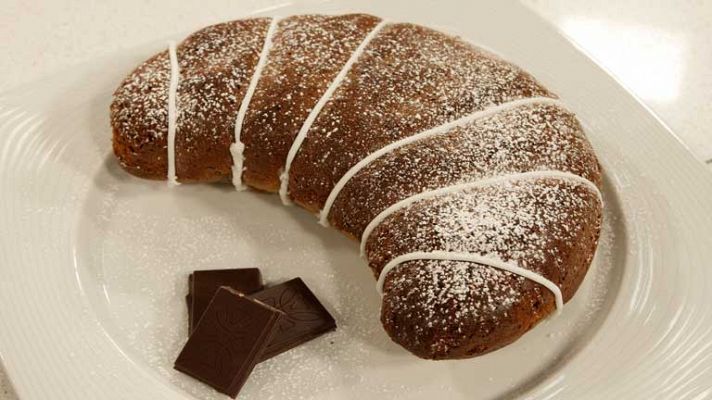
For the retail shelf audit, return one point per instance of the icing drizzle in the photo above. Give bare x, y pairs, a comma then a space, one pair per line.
469, 257
471, 185
237, 148
440, 129
284, 177
172, 114
483, 260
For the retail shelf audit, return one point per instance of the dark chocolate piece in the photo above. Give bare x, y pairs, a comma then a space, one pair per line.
305, 317
203, 284
189, 304
228, 341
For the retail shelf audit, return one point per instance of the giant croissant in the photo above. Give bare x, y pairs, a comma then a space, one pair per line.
473, 191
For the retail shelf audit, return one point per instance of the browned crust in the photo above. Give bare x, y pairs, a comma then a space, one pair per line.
216, 64
139, 142
469, 153
411, 79
497, 330
210, 94
287, 91
407, 314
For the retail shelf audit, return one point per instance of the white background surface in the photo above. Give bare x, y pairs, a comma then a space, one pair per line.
660, 50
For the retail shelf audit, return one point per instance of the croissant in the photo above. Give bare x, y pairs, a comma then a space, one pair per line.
473, 191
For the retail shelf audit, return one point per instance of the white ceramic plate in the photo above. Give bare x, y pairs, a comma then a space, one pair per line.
93, 262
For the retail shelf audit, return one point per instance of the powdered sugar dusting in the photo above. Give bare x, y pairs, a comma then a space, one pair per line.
528, 138
542, 225
532, 222
448, 281
140, 106
308, 51
448, 301
472, 258
216, 66
409, 79
325, 97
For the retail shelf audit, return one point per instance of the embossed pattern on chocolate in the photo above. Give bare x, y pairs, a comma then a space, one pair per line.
202, 286
305, 317
228, 341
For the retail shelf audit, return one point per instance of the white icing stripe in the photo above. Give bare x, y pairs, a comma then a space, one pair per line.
441, 129
237, 148
471, 185
284, 177
491, 262
172, 114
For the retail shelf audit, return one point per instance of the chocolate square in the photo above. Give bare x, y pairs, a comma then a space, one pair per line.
305, 317
202, 286
228, 341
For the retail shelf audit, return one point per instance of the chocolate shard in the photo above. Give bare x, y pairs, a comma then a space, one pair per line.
202, 286
189, 303
228, 341
305, 317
